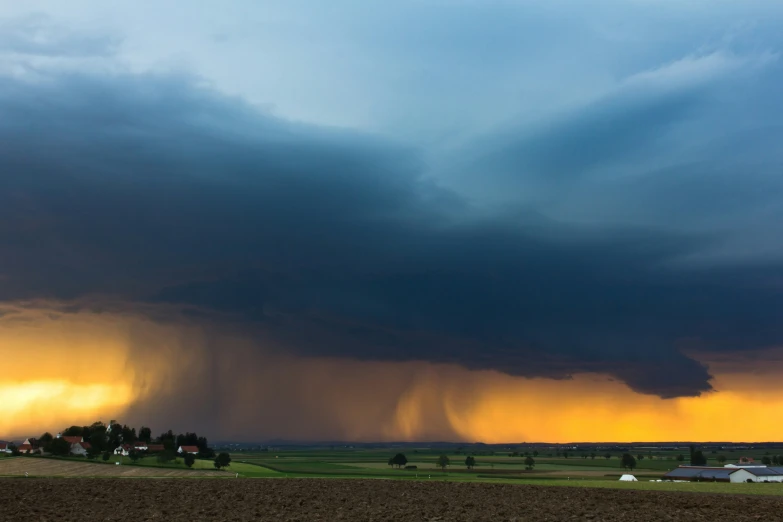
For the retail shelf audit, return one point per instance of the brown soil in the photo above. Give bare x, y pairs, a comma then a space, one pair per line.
304, 500
38, 467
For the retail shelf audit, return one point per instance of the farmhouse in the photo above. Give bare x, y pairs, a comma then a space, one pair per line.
5, 447
123, 450
726, 474
188, 449
80, 448
155, 448
30, 445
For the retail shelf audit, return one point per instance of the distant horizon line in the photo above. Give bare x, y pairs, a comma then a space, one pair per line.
497, 444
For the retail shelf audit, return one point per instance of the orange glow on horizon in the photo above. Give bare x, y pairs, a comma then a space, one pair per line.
74, 368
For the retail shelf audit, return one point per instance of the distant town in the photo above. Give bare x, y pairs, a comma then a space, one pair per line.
101, 441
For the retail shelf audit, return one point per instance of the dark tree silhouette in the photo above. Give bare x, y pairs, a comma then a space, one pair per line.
628, 461
470, 461
190, 459
59, 447
530, 463
223, 460
400, 460
442, 462
698, 458
145, 434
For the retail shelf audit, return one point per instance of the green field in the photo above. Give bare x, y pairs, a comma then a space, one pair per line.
497, 467
492, 467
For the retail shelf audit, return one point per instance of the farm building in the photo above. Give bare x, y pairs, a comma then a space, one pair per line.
80, 448
188, 449
5, 447
30, 445
123, 450
155, 448
726, 474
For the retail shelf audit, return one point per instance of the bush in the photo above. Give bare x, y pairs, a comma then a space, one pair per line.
223, 460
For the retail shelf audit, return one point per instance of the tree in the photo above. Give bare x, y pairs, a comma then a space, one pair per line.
766, 461
14, 450
128, 434
60, 447
698, 458
530, 463
391, 462
680, 458
98, 440
106, 456
92, 452
470, 461
592, 455
721, 459
442, 462
608, 456
166, 456
400, 460
134, 456
145, 434
190, 459
535, 453
223, 460
628, 461
565, 454
640, 457
74, 431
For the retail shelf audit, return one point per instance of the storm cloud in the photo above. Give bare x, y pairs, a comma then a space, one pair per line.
610, 237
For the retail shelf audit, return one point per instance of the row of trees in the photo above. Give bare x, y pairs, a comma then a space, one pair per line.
443, 461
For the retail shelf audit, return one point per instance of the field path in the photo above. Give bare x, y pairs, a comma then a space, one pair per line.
38, 467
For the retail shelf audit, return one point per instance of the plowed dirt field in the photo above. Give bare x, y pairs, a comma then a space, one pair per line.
82, 500
67, 468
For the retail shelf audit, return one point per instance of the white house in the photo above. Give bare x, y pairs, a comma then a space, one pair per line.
193, 450
80, 448
123, 450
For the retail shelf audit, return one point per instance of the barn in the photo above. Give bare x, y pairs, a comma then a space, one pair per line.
727, 474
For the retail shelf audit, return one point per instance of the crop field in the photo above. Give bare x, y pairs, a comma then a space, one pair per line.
378, 500
492, 468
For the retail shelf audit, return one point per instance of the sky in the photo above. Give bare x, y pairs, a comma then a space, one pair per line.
496, 221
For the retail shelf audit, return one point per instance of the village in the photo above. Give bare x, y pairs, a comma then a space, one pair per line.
103, 440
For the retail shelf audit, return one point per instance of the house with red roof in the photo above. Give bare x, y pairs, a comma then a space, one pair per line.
5, 447
80, 448
123, 450
193, 450
31, 445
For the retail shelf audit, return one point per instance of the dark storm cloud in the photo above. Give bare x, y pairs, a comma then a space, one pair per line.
152, 189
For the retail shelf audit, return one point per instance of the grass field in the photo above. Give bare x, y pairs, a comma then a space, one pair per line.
363, 463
